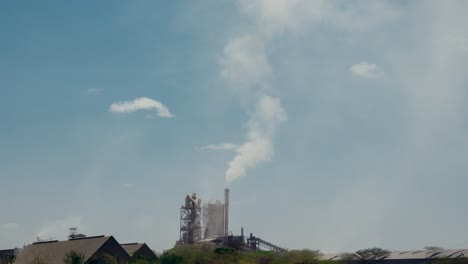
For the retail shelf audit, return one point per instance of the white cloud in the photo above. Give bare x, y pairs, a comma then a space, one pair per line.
10, 226
142, 103
94, 91
458, 42
276, 16
59, 228
273, 17
222, 146
366, 70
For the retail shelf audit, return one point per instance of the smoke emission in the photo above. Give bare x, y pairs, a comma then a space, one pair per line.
245, 67
259, 145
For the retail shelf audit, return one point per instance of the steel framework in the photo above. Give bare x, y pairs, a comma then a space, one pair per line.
190, 225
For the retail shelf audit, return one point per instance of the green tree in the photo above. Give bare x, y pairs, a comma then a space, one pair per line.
109, 259
304, 256
433, 248
10, 259
347, 258
371, 255
138, 258
169, 258
73, 257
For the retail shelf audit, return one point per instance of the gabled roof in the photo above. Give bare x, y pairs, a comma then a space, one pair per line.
53, 252
141, 248
414, 254
131, 248
8, 251
428, 254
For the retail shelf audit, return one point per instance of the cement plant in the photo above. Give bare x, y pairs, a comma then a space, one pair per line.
205, 237
209, 223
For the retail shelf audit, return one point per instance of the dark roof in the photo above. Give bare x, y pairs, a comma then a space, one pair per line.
140, 249
7, 251
53, 252
131, 248
414, 254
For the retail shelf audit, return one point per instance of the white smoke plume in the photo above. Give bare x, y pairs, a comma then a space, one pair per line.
59, 228
245, 65
259, 145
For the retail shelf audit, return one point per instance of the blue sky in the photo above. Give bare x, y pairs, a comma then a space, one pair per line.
337, 125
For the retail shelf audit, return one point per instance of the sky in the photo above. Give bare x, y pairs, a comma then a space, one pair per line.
337, 125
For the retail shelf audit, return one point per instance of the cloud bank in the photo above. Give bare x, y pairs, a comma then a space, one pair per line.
142, 103
366, 70
10, 226
94, 91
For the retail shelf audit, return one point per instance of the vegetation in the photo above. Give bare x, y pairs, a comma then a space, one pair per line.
371, 255
207, 254
169, 258
138, 258
212, 254
73, 257
109, 259
38, 260
433, 248
10, 259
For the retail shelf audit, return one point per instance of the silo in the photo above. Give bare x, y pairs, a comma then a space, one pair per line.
226, 212
214, 219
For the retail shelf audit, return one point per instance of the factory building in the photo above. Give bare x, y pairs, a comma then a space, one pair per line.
209, 223
216, 218
139, 251
199, 222
92, 248
415, 256
8, 255
213, 219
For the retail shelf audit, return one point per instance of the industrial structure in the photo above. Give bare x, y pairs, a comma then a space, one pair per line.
216, 218
7, 256
190, 220
209, 223
199, 222
413, 256
94, 249
139, 250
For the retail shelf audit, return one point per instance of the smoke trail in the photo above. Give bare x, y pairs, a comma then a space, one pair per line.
259, 145
59, 228
246, 68
245, 65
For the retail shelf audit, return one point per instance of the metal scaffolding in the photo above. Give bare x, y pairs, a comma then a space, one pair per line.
190, 220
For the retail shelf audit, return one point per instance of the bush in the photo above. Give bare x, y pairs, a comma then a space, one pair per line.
168, 258
210, 254
73, 257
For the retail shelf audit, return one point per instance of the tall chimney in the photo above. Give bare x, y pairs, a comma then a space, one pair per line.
226, 211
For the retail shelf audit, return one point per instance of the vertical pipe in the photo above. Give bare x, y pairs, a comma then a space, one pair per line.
226, 211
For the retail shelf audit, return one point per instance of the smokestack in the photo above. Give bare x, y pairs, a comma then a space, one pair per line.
226, 211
